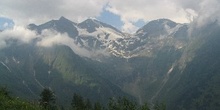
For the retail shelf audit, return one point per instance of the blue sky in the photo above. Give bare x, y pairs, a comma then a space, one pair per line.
110, 18
115, 20
5, 23
105, 16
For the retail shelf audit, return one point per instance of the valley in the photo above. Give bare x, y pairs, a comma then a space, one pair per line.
162, 62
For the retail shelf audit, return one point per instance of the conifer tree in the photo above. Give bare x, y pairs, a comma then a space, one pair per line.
78, 102
48, 99
144, 107
98, 106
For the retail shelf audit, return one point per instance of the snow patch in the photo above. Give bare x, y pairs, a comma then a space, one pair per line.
6, 66
170, 70
37, 80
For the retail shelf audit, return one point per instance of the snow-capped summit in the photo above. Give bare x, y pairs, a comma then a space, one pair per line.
90, 25
97, 37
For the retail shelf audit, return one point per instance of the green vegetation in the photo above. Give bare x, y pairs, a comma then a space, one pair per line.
48, 102
11, 103
121, 103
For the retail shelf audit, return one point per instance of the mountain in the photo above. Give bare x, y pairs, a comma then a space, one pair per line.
162, 61
194, 83
62, 25
103, 39
97, 36
26, 70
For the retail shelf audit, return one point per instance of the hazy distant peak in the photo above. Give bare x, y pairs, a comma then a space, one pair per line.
157, 25
63, 18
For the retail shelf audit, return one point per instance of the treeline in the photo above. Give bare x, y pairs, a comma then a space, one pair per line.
8, 102
47, 101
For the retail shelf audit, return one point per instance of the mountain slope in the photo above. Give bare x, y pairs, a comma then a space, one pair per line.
62, 25
162, 61
196, 86
34, 68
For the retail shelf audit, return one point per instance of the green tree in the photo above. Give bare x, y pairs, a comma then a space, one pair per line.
4, 92
98, 106
144, 107
112, 104
159, 106
47, 99
121, 104
78, 102
88, 105
8, 102
126, 104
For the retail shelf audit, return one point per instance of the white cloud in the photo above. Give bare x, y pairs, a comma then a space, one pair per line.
2, 44
24, 12
47, 38
181, 11
50, 38
131, 11
38, 11
19, 33
208, 12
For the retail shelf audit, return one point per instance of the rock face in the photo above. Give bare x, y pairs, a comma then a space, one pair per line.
96, 36
160, 62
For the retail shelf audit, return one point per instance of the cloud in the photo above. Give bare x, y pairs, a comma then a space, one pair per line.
2, 44
47, 38
181, 11
5, 25
24, 12
39, 11
208, 12
50, 38
131, 11
18, 33
198, 12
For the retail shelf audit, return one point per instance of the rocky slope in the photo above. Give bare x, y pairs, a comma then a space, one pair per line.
161, 61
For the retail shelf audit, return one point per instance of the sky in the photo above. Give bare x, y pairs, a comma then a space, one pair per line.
126, 15
6, 23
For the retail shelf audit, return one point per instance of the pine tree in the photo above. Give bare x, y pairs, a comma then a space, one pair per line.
4, 92
88, 105
161, 106
78, 103
145, 107
98, 106
47, 99
121, 104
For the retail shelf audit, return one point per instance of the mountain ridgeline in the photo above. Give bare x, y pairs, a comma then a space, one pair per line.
163, 61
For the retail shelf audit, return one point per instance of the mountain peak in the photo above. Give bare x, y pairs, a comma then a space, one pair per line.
90, 25
162, 22
32, 26
157, 25
93, 21
63, 18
